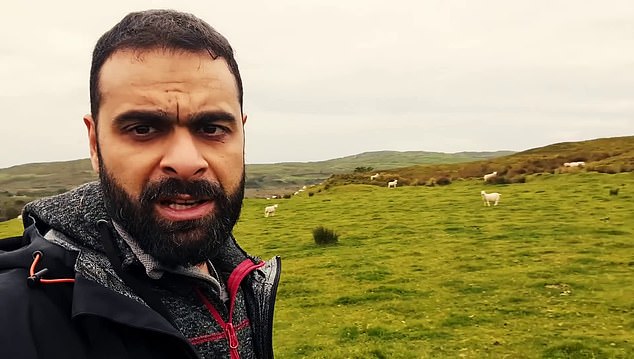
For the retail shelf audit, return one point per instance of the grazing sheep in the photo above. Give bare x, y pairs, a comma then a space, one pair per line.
574, 164
373, 177
614, 191
392, 184
490, 197
490, 176
270, 210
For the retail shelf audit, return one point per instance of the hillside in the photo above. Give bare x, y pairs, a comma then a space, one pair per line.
604, 155
23, 183
288, 176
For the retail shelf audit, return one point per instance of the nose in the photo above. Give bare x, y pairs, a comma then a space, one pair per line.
182, 157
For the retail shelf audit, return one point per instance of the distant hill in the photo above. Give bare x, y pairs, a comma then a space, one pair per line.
606, 155
41, 179
22, 183
288, 176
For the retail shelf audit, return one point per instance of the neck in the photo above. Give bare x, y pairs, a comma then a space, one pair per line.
202, 267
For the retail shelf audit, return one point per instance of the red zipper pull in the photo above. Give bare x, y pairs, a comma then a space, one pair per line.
232, 338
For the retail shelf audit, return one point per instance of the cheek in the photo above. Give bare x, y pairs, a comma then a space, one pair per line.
130, 171
229, 169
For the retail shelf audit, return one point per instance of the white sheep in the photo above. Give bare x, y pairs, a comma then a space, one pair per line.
392, 184
575, 164
490, 176
490, 197
373, 177
270, 210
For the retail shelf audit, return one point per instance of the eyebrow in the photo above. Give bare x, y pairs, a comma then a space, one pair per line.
158, 116
211, 117
142, 115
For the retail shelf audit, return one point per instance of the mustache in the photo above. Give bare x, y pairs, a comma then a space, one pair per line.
172, 187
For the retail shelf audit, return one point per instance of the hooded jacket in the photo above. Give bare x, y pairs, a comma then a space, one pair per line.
84, 294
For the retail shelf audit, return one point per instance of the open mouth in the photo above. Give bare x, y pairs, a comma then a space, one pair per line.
184, 207
182, 204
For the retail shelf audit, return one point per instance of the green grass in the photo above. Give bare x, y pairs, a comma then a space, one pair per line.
10, 228
429, 272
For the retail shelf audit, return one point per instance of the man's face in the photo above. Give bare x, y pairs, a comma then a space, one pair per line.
169, 148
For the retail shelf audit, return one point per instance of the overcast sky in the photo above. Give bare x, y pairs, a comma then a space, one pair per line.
330, 78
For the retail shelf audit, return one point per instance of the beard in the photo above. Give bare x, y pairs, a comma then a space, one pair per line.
173, 243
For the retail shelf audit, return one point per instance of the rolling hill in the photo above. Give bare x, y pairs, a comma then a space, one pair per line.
24, 182
604, 155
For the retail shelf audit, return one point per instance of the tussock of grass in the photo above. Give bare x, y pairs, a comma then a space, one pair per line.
324, 236
574, 350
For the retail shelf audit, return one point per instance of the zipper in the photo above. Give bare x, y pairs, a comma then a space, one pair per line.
276, 282
233, 284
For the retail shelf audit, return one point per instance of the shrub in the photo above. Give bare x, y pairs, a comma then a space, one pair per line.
362, 169
443, 181
500, 180
324, 236
310, 194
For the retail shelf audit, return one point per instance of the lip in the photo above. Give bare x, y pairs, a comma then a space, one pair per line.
179, 212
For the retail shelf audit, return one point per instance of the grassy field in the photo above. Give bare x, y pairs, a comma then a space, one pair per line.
429, 272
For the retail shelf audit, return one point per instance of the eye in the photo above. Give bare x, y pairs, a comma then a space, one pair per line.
210, 130
142, 131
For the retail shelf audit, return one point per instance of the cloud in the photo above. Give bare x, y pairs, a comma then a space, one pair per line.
330, 78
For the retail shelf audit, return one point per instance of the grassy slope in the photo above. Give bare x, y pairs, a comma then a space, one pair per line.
429, 272
610, 155
10, 228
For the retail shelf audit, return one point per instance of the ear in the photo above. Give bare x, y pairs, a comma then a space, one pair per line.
244, 119
91, 126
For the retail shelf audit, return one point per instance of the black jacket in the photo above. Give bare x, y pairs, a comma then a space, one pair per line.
87, 320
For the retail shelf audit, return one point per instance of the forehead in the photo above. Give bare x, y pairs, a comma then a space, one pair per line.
165, 70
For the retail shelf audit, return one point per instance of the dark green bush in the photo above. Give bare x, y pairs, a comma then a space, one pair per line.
362, 169
324, 236
443, 181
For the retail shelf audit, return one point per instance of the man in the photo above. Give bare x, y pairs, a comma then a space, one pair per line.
142, 263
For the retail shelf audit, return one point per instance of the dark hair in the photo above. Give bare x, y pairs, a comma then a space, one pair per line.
167, 29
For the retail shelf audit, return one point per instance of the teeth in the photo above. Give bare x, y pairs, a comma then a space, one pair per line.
178, 206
